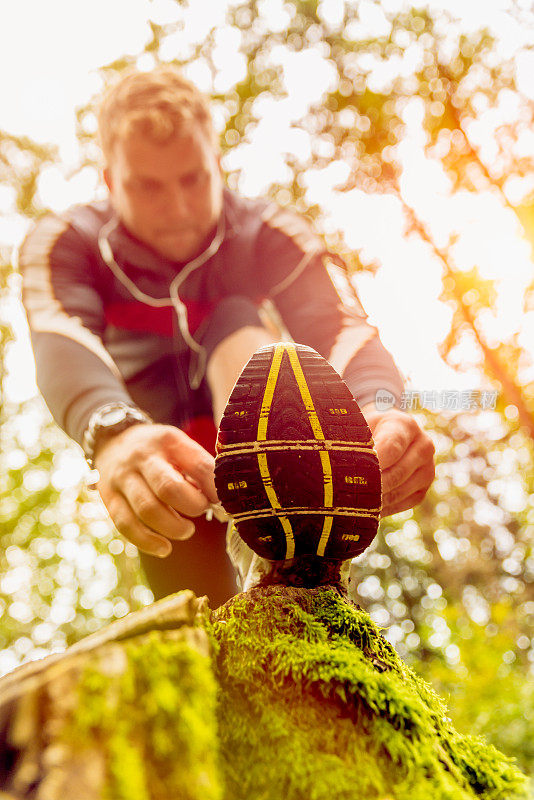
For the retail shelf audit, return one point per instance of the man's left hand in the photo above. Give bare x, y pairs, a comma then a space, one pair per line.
406, 457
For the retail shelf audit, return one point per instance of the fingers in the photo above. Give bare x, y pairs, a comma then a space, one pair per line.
418, 454
142, 518
191, 459
409, 493
156, 515
170, 486
406, 457
392, 436
404, 505
135, 531
145, 489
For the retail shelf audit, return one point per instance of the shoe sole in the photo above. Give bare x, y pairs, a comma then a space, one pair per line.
295, 465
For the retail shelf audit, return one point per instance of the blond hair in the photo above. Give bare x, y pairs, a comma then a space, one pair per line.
158, 104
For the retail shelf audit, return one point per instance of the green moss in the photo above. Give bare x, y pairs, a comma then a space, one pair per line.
314, 703
302, 698
149, 704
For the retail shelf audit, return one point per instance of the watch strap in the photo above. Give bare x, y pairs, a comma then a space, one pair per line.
107, 421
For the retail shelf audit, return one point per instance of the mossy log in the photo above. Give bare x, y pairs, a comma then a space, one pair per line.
282, 692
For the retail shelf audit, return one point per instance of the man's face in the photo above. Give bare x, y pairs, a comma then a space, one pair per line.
168, 195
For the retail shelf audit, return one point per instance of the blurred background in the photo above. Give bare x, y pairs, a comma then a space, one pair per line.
407, 134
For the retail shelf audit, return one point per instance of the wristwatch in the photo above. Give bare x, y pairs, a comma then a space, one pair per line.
107, 421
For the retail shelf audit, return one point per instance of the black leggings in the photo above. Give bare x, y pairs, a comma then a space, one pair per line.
199, 563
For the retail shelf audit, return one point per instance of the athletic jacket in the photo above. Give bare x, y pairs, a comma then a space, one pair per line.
112, 320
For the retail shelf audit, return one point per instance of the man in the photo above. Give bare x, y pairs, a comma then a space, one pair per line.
143, 310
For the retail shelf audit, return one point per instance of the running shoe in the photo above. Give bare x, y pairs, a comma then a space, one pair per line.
295, 466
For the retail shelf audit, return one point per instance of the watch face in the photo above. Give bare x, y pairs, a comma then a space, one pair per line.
112, 416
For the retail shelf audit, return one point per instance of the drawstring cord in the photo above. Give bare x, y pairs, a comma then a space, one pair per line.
174, 300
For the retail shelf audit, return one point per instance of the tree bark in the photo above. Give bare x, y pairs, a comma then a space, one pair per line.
282, 692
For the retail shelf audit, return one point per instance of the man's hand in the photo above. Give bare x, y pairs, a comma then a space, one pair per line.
406, 457
152, 478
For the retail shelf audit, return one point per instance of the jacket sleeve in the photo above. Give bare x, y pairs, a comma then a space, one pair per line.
312, 293
75, 373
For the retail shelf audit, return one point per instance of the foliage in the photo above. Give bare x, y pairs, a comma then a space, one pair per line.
60, 558
21, 162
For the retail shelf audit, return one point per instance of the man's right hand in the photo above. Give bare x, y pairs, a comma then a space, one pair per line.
152, 478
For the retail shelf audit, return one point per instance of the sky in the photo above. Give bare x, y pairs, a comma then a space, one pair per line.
49, 54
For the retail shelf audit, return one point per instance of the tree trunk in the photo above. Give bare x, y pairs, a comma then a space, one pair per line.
282, 692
